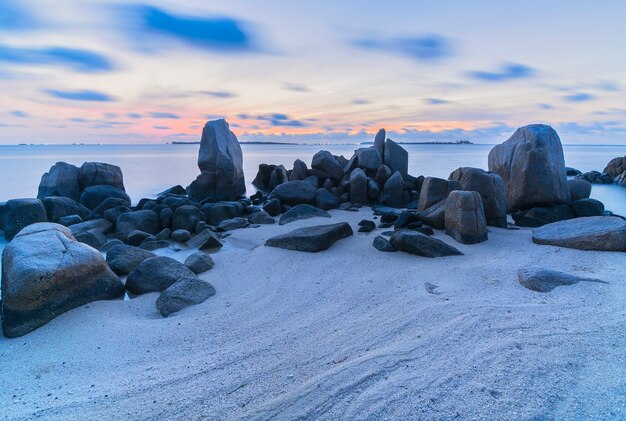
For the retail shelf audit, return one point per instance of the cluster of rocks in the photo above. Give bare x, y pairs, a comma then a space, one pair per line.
614, 173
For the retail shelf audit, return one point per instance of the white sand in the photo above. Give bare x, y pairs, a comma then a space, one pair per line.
348, 333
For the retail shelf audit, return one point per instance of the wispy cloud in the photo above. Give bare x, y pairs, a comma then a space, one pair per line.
14, 17
220, 94
421, 48
134, 115
578, 97
72, 58
435, 101
544, 106
505, 72
19, 113
274, 119
360, 101
164, 115
162, 127
80, 95
296, 87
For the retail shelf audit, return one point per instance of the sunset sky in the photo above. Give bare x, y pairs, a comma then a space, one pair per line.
310, 71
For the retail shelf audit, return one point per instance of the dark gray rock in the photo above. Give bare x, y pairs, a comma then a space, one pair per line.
113, 214
67, 274
434, 190
92, 238
199, 262
393, 190
465, 217
579, 189
368, 158
615, 167
111, 203
325, 200
302, 212
261, 217
324, 161
294, 193
379, 143
165, 217
594, 177
396, 158
278, 176
603, 233
122, 258
2, 207
181, 236
300, 171
491, 189
205, 240
182, 294
19, 213
313, 180
311, 239
60, 180
186, 217
272, 207
220, 211
546, 214
70, 220
358, 186
545, 280
532, 167
177, 190
263, 175
422, 245
156, 274
58, 207
93, 196
136, 237
221, 164
165, 234
101, 174
434, 215
110, 244
155, 244
587, 207
373, 190
382, 244
101, 225
143, 220
382, 175
569, 171
233, 224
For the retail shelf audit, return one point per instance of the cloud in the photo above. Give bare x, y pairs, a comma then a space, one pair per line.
422, 48
80, 95
19, 113
162, 127
360, 101
220, 94
75, 59
274, 119
211, 33
163, 115
435, 101
544, 106
14, 17
296, 87
506, 72
134, 115
578, 97
608, 86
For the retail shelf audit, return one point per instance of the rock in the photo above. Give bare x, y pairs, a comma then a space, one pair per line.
272, 207
313, 180
587, 207
2, 207
311, 239
182, 294
221, 164
325, 200
122, 258
569, 171
594, 177
136, 237
620, 180
434, 190
324, 161
382, 175
110, 203
143, 220
434, 215
19, 213
220, 211
367, 223
368, 158
491, 189
358, 186
278, 176
382, 244
199, 262
60, 180
302, 212
263, 175
233, 224
603, 233
261, 217
300, 170
101, 174
181, 236
109, 245
405, 218
522, 220
579, 189
186, 217
422, 245
465, 217
66, 275
93, 196
205, 240
70, 220
379, 143
545, 280
164, 234
151, 245
165, 217
156, 274
532, 167
538, 216
101, 225
177, 190
92, 238
113, 214
615, 167
396, 158
294, 193
175, 202
58, 207
373, 190
393, 190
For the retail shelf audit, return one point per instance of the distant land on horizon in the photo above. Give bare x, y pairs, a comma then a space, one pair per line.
458, 142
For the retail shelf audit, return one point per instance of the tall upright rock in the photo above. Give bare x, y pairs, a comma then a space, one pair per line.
532, 166
221, 164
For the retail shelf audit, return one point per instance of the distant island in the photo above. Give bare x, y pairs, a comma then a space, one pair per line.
458, 142
243, 143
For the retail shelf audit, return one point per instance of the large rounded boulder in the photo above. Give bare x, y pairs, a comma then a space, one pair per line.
60, 180
491, 189
19, 213
532, 166
101, 174
156, 274
46, 272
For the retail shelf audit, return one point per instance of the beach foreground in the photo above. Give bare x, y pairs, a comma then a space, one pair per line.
348, 333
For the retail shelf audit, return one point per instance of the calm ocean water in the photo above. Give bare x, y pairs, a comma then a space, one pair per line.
149, 169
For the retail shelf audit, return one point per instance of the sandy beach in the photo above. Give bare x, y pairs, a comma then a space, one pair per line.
346, 333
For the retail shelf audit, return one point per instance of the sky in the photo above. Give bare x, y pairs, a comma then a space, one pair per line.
107, 71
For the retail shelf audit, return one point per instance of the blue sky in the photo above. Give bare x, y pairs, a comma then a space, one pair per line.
310, 71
